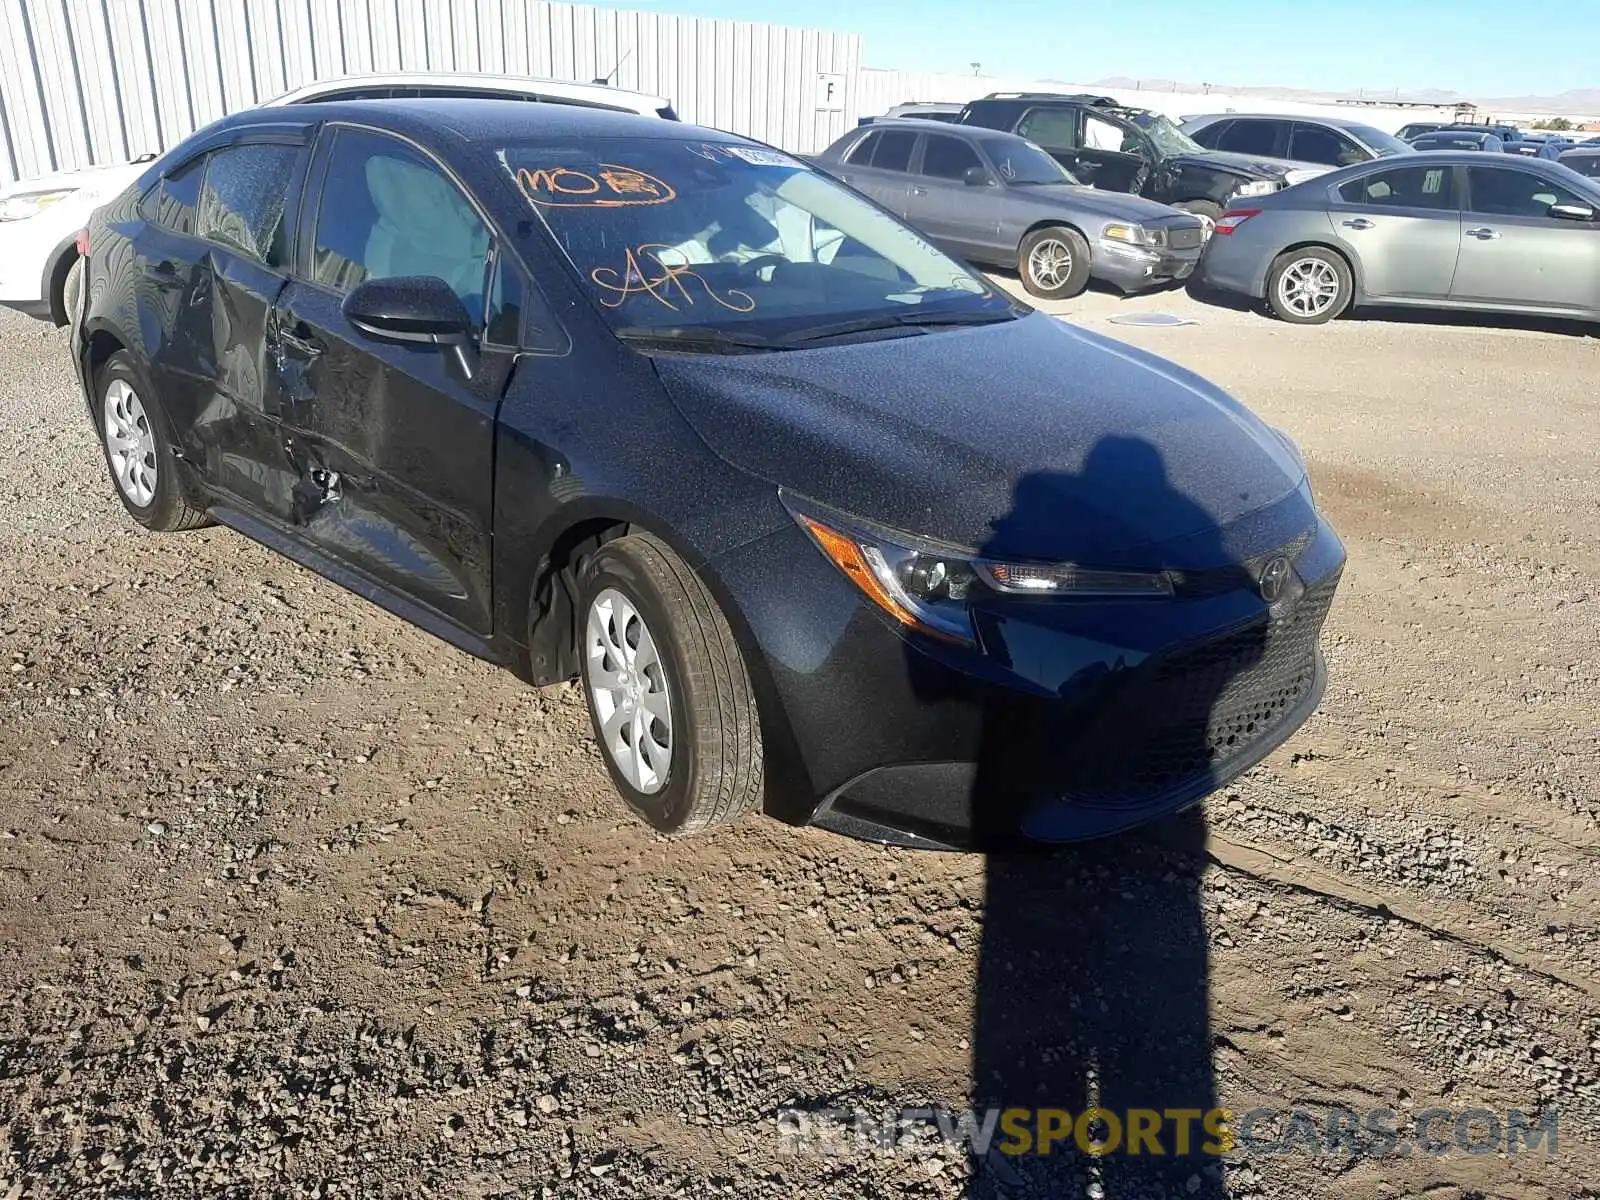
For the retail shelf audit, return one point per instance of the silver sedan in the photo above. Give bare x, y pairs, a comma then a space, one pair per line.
999, 200
1445, 230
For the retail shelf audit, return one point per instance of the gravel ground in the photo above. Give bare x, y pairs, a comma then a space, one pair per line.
300, 901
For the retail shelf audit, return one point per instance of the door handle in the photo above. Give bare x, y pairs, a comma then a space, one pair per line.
1358, 223
919, 191
307, 346
1483, 233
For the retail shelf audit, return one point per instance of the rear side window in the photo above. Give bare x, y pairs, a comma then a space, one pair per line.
893, 151
1210, 135
1250, 137
948, 157
1052, 128
1404, 187
1584, 164
172, 202
387, 211
1314, 143
861, 153
242, 202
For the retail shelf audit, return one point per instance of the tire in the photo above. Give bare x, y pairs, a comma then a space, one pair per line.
144, 471
1309, 286
1209, 209
634, 593
72, 293
1067, 255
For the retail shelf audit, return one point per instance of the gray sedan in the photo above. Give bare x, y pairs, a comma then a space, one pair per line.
997, 199
1442, 230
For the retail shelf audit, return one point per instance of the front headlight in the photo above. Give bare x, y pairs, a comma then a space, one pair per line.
1135, 235
1258, 187
23, 205
930, 586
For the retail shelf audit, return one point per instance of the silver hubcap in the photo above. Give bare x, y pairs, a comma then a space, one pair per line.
1309, 287
1050, 262
628, 687
130, 445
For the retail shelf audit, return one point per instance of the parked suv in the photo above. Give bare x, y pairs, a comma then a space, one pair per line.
1332, 141
1106, 145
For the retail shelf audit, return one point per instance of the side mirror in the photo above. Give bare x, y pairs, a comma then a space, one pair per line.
418, 310
1572, 212
976, 177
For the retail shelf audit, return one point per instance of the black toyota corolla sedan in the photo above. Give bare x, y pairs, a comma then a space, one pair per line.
824, 523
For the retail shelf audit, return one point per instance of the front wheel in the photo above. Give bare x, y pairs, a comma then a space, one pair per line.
1208, 211
1310, 286
1054, 263
667, 688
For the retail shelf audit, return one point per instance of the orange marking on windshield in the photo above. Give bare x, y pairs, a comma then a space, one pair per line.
614, 186
645, 272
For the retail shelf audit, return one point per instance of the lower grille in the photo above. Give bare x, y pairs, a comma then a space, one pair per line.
1184, 238
1189, 714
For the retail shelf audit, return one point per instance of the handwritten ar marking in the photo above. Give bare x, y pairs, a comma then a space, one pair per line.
614, 186
645, 272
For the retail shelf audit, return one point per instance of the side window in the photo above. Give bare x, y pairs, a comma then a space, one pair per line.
1511, 193
861, 153
1314, 143
893, 152
172, 202
1052, 128
1250, 137
503, 312
1101, 134
242, 202
948, 157
1404, 187
1211, 136
386, 211
1584, 164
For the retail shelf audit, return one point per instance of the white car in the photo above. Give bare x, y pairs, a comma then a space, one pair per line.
40, 217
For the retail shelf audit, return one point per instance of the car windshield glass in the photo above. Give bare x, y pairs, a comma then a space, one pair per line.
732, 237
1021, 162
1168, 138
1380, 143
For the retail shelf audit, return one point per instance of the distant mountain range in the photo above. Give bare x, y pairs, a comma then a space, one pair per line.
1579, 102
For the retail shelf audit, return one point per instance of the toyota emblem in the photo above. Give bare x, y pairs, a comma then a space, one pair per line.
1274, 578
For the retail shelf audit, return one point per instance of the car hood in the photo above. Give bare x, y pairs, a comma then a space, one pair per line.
1115, 206
103, 181
1033, 439
1256, 166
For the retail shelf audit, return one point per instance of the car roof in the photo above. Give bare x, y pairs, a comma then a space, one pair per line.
468, 120
512, 85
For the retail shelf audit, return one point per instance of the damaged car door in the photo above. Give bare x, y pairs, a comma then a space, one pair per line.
392, 443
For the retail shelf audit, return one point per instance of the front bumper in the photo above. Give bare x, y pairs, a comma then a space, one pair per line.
1078, 719
1133, 268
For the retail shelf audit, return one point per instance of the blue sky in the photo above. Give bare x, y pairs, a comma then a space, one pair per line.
1477, 47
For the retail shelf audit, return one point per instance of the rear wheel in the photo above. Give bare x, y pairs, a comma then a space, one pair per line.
666, 688
1054, 263
134, 438
1309, 286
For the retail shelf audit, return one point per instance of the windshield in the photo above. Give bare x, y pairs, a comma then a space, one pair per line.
1021, 163
1168, 138
1380, 143
732, 237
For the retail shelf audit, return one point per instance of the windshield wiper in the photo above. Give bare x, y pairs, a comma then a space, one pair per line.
697, 338
908, 321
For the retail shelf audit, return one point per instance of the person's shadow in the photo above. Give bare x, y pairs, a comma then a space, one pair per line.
1092, 977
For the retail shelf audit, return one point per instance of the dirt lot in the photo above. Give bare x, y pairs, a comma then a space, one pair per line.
299, 901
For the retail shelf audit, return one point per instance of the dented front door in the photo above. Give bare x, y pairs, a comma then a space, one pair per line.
393, 451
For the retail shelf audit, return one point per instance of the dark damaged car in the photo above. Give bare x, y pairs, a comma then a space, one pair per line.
824, 524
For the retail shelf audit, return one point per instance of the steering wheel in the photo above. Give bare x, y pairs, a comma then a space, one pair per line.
761, 261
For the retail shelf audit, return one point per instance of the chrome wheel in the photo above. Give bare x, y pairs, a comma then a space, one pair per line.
130, 444
628, 686
1050, 263
1308, 287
